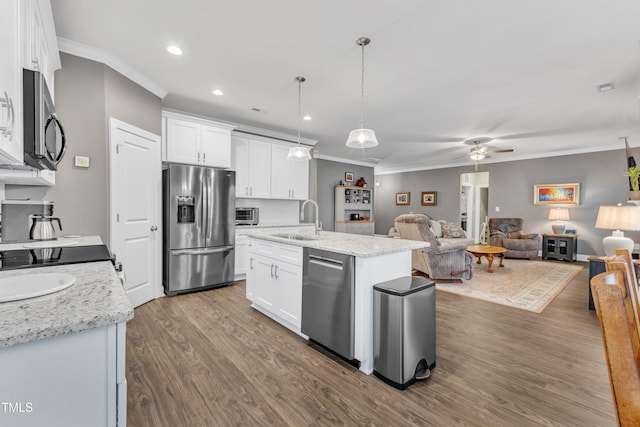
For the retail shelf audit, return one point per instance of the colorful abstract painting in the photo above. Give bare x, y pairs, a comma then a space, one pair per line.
556, 194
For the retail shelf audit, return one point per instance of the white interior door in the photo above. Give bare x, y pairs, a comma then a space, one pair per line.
135, 191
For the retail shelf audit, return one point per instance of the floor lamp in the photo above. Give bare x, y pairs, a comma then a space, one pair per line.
618, 218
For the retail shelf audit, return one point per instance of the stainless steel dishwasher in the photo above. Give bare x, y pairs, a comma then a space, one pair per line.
328, 289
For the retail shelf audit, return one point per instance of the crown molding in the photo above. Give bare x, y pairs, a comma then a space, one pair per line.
393, 170
107, 58
256, 131
341, 160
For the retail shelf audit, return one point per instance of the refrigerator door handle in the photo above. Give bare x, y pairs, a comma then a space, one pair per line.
206, 190
202, 251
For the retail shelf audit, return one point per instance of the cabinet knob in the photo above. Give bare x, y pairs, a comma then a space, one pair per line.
154, 228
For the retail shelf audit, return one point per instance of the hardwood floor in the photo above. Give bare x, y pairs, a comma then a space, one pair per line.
209, 359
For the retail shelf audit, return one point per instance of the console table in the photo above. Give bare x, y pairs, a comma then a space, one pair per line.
560, 246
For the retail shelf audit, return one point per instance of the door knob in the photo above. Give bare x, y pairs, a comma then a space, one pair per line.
154, 228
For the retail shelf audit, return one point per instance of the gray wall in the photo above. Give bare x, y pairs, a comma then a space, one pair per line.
601, 177
87, 94
328, 175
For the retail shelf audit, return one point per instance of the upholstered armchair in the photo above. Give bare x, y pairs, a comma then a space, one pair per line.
507, 233
437, 261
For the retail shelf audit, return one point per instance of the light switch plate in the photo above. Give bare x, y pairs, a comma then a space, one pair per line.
81, 161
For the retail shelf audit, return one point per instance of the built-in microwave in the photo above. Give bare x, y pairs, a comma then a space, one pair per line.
247, 216
41, 150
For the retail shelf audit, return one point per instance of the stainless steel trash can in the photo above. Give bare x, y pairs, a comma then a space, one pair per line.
404, 330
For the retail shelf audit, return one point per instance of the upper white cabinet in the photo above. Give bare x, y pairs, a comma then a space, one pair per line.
289, 179
27, 40
263, 171
11, 145
196, 141
39, 43
252, 162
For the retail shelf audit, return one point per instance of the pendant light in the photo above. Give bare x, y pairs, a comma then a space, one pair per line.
299, 153
362, 138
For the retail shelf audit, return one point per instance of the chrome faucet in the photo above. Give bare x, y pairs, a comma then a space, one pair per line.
317, 214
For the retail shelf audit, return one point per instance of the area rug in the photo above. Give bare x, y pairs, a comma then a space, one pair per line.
524, 284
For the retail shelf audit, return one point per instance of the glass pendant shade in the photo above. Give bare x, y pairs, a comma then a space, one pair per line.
299, 153
362, 138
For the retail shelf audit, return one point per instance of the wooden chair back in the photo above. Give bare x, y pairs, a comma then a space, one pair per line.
622, 261
621, 343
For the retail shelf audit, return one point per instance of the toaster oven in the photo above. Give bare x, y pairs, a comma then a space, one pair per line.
247, 216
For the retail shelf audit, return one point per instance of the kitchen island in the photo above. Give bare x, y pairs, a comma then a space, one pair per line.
62, 355
274, 279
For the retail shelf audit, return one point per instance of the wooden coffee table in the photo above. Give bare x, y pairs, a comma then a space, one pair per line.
487, 251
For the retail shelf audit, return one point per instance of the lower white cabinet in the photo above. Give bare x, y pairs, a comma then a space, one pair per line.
274, 282
243, 244
76, 379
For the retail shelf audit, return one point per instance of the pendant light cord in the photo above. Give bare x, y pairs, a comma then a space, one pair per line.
362, 90
299, 107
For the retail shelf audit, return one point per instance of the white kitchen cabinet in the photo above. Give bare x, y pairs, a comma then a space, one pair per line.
274, 283
11, 144
195, 141
289, 179
39, 43
252, 162
244, 244
76, 379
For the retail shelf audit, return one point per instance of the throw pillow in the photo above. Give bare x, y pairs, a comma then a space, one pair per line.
436, 228
452, 231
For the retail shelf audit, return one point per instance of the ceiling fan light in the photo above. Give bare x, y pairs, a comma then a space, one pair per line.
362, 138
477, 156
299, 153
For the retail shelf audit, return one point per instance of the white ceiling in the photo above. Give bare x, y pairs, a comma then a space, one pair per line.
437, 72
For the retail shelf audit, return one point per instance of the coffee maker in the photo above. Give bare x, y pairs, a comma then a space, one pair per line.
16, 218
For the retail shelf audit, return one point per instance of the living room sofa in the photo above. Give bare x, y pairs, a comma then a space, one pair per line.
438, 261
445, 232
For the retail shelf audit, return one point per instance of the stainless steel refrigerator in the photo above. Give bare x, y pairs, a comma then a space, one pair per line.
199, 228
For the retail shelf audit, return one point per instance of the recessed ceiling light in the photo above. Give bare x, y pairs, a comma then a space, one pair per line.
605, 87
306, 118
217, 92
174, 50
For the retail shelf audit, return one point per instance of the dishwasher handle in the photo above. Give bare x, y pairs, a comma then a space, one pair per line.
326, 262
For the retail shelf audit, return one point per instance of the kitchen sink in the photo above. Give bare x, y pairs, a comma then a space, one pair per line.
295, 236
14, 288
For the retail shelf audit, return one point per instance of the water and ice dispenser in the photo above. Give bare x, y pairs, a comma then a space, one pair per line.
186, 209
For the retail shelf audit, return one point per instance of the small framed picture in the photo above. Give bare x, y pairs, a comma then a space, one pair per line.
570, 231
429, 198
348, 176
403, 198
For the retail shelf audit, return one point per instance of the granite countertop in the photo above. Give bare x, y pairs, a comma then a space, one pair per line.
349, 244
96, 299
259, 226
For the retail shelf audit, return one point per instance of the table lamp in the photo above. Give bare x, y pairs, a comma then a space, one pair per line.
559, 214
618, 218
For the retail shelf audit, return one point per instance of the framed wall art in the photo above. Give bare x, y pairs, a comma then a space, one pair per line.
402, 198
556, 194
429, 198
348, 177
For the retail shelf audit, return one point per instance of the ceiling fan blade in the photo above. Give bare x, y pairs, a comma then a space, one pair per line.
502, 150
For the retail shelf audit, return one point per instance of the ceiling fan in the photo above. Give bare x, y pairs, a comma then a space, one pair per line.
480, 152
